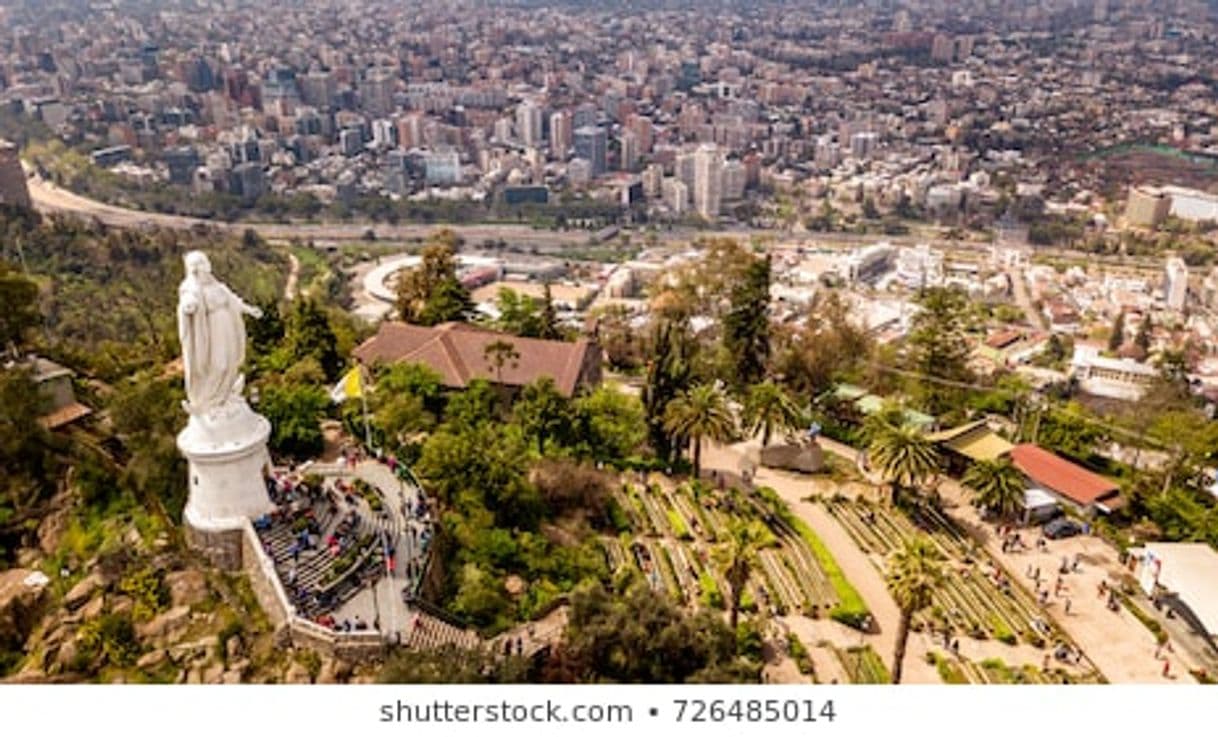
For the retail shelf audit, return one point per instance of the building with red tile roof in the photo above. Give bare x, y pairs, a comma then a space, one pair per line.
458, 353
1068, 481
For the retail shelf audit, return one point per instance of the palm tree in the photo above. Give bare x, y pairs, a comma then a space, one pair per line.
914, 572
904, 455
498, 354
997, 484
737, 557
698, 413
768, 408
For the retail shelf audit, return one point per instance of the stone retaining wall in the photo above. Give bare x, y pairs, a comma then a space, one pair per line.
258, 566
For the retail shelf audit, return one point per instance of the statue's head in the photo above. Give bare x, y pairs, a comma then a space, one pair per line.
197, 264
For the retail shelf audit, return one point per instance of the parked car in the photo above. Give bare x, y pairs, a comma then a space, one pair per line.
1061, 527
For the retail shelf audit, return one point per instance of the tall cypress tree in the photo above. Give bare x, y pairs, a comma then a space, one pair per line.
746, 327
668, 374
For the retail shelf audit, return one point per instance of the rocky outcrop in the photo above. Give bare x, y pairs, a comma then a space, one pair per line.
22, 595
802, 458
83, 591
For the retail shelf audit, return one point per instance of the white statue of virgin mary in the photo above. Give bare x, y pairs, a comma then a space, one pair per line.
212, 330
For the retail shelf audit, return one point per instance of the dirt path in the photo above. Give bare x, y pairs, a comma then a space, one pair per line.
289, 289
860, 571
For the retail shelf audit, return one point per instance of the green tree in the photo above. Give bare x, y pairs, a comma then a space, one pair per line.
827, 347
998, 485
746, 326
549, 316
939, 347
405, 400
701, 413
612, 425
500, 353
519, 314
768, 408
484, 465
544, 414
455, 665
266, 332
308, 334
295, 412
668, 374
1143, 337
431, 293
20, 313
28, 463
1117, 338
904, 456
737, 558
914, 573
638, 637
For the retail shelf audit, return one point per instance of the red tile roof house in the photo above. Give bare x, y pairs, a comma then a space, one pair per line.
1074, 485
457, 352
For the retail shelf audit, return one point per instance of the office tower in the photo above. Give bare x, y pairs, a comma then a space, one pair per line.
708, 180
592, 144
561, 136
376, 91
653, 180
585, 115
1175, 287
351, 141
528, 124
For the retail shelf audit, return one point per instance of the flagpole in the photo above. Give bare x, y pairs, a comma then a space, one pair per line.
363, 398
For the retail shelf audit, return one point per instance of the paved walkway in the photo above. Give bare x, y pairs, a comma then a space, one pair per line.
1118, 645
793, 489
1116, 642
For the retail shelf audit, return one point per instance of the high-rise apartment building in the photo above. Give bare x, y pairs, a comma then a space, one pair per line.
1175, 285
629, 150
561, 134
376, 91
528, 124
708, 180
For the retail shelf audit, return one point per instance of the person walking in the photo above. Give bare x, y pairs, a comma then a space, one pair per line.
1067, 605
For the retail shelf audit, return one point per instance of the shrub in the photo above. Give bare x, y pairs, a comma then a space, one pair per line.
711, 596
147, 589
110, 636
800, 654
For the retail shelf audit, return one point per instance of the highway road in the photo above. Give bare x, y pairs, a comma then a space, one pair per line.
48, 198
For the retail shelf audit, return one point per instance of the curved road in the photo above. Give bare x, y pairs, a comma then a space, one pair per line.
48, 197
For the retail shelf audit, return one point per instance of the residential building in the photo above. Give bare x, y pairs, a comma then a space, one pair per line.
708, 180
1175, 283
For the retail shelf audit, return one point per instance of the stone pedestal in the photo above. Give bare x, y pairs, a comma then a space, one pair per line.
227, 456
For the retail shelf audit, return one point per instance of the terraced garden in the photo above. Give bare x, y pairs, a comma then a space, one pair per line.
671, 534
993, 670
971, 602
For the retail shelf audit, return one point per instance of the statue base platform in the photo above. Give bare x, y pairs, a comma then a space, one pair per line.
227, 456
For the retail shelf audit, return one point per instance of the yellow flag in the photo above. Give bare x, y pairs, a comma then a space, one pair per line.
351, 386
